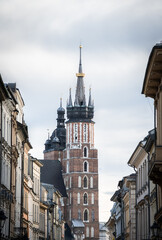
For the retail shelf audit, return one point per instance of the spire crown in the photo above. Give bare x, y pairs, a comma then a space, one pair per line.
80, 74
61, 109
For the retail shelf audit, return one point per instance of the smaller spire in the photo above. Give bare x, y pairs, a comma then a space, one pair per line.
90, 99
70, 98
60, 102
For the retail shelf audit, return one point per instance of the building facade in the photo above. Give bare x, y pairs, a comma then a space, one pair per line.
152, 86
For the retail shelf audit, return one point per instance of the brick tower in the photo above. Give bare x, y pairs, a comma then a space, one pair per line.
80, 164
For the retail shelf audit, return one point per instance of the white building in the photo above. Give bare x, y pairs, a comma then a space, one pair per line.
144, 204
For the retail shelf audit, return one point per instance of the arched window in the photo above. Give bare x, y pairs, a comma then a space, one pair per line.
85, 152
87, 231
79, 181
78, 198
85, 180
92, 231
86, 215
91, 182
85, 198
85, 166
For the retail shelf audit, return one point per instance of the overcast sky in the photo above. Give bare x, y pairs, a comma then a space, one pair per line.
39, 50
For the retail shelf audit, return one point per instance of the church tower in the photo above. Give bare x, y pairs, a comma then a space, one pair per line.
80, 164
56, 143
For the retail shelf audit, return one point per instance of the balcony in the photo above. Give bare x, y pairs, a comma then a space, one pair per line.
155, 166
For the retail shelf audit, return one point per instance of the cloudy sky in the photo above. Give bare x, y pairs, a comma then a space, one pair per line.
39, 50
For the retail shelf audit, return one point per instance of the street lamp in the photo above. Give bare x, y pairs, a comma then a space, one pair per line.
155, 230
2, 220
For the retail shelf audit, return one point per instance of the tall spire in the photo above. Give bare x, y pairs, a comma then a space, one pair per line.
80, 92
80, 74
80, 63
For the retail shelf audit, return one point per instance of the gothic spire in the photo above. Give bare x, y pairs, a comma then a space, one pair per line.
80, 92
70, 99
90, 104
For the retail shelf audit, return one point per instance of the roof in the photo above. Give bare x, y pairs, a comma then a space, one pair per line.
51, 173
153, 72
3, 91
102, 226
77, 223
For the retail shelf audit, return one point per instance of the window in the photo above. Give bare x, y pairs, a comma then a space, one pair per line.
79, 181
70, 182
86, 217
69, 214
79, 214
85, 132
78, 198
92, 231
85, 152
85, 198
87, 231
75, 132
67, 167
91, 182
70, 199
85, 180
92, 198
93, 216
85, 166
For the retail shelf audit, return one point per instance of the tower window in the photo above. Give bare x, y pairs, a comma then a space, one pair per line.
85, 152
92, 231
75, 132
85, 198
78, 198
79, 214
85, 180
87, 231
86, 215
79, 181
93, 216
91, 182
85, 133
85, 166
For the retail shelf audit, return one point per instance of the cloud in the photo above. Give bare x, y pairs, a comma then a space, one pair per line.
39, 51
